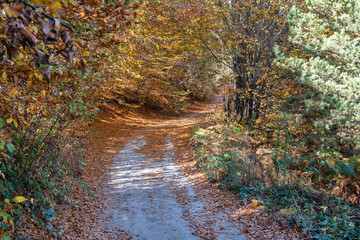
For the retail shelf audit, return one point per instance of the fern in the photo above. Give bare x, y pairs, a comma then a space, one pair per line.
332, 171
316, 172
345, 169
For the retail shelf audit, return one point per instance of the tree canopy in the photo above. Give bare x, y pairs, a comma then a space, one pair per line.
288, 71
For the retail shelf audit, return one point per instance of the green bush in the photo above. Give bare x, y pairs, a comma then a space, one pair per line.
226, 155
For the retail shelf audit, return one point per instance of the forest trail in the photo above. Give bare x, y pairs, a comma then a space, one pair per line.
150, 196
147, 185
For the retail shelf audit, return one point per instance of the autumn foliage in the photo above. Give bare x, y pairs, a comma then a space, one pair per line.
290, 100
160, 63
59, 61
48, 82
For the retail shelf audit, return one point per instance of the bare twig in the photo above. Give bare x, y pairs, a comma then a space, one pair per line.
47, 15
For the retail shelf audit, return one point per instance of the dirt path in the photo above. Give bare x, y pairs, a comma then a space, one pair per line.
145, 190
147, 186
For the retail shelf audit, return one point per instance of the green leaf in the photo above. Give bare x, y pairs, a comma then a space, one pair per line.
1, 122
10, 187
7, 237
2, 145
5, 226
10, 147
50, 214
4, 214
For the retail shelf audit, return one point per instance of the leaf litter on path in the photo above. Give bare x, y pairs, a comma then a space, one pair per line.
153, 185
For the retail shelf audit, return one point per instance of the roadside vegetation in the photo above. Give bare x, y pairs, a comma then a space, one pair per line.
61, 60
287, 136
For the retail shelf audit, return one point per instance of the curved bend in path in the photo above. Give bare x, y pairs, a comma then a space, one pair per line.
150, 198
147, 187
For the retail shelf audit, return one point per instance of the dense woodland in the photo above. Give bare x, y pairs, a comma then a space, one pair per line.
287, 137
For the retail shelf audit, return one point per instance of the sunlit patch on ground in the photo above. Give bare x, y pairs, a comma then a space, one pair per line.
205, 209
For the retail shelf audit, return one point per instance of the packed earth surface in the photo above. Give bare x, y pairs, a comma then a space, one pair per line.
146, 184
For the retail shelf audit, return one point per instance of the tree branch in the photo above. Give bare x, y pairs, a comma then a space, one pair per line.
212, 53
47, 15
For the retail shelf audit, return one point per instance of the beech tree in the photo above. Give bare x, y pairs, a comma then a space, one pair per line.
247, 34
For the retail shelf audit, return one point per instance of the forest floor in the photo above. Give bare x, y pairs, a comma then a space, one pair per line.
146, 184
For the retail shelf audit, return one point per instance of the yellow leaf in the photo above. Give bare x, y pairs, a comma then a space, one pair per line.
255, 203
57, 5
26, 123
35, 29
12, 224
29, 84
4, 76
287, 211
19, 199
14, 91
9, 120
5, 220
7, 201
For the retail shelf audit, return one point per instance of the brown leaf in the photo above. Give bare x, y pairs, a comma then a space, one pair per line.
65, 37
28, 35
11, 48
39, 10
127, 12
83, 66
10, 11
56, 24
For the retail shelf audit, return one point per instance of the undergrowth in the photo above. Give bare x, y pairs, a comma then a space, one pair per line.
39, 164
286, 182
